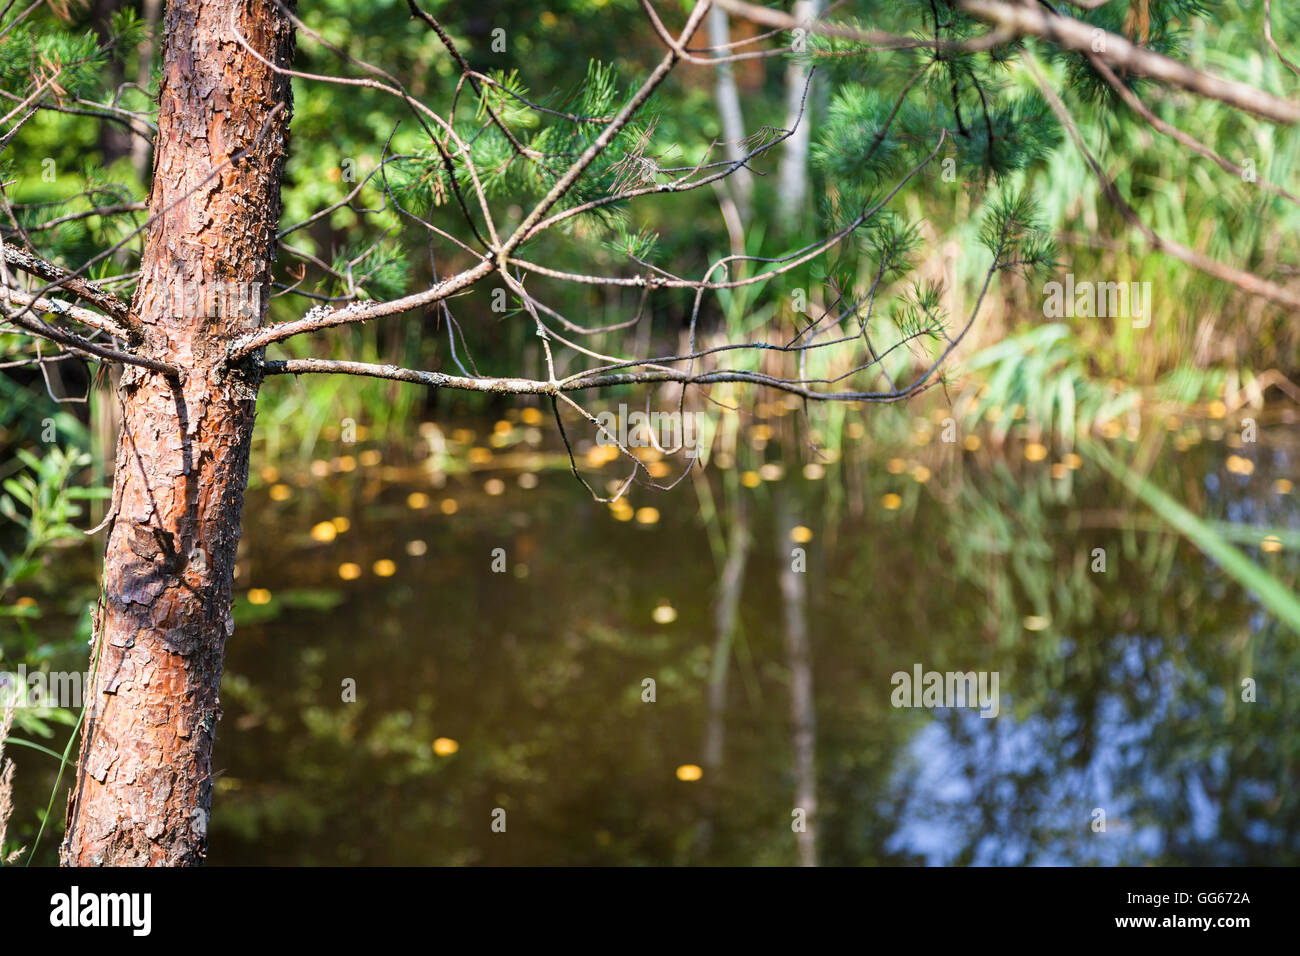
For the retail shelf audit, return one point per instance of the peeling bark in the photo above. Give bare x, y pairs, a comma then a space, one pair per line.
144, 780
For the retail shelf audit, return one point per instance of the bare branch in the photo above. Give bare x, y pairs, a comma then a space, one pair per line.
1246, 281
1268, 35
1120, 53
56, 276
1137, 106
323, 318
31, 325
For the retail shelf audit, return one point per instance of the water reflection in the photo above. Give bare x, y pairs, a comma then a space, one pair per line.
421, 646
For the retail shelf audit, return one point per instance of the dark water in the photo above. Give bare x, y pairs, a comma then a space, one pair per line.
1120, 691
479, 691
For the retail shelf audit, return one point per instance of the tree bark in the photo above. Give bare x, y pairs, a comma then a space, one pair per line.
144, 779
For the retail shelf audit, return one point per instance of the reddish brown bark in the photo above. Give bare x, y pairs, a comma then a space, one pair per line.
144, 782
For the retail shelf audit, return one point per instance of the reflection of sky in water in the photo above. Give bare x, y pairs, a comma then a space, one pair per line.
1018, 783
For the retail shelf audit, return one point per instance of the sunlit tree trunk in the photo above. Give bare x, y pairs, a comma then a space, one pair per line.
792, 185
741, 183
144, 779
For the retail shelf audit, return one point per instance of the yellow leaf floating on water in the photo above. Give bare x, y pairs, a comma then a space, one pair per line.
664, 613
1239, 466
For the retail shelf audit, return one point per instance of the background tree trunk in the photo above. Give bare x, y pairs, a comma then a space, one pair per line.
792, 188
740, 183
140, 148
726, 615
114, 139
798, 655
144, 781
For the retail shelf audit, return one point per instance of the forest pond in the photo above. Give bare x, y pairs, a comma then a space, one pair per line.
425, 650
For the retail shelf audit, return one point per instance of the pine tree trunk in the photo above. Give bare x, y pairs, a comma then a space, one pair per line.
144, 780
